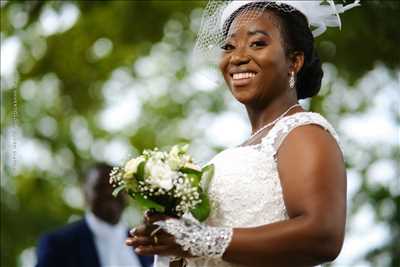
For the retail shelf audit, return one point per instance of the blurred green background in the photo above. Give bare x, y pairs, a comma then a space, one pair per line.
86, 81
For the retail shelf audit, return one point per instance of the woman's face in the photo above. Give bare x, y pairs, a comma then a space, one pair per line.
253, 60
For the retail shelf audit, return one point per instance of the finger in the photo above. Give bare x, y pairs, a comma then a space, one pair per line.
166, 238
132, 232
162, 234
153, 250
158, 239
140, 230
139, 241
144, 230
163, 240
157, 230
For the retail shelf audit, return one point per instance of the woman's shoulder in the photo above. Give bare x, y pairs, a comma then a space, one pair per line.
305, 117
289, 123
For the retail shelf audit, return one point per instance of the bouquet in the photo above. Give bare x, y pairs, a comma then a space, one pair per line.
167, 182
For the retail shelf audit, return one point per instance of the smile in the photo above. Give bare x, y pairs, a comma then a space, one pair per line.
243, 75
242, 78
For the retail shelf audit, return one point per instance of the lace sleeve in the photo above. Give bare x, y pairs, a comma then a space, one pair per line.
198, 238
278, 133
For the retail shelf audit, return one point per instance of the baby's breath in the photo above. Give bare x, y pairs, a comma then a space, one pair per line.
161, 174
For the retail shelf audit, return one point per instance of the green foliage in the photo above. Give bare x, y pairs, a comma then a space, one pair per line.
37, 207
208, 173
140, 171
149, 204
369, 35
194, 178
202, 210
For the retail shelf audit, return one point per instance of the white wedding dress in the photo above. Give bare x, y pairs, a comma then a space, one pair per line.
245, 190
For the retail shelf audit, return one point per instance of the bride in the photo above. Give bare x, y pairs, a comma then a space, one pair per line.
279, 199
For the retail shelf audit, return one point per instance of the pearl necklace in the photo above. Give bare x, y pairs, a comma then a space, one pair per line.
273, 122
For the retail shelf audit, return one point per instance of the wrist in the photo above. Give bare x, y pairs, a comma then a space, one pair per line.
200, 240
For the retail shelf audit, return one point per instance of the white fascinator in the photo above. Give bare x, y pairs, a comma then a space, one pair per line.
218, 16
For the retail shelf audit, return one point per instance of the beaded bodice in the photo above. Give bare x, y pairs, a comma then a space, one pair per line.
245, 190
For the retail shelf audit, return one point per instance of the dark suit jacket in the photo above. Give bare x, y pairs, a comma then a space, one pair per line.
72, 246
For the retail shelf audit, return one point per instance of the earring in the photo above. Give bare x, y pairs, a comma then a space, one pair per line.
292, 80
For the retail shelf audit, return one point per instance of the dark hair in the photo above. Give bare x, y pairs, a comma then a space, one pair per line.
297, 37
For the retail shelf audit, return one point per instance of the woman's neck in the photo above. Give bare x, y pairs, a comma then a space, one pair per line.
261, 116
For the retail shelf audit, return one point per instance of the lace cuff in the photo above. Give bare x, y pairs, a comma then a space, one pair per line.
199, 239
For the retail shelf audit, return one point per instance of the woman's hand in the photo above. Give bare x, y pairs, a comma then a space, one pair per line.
148, 239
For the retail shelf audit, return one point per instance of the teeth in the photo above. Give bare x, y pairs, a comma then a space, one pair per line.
243, 75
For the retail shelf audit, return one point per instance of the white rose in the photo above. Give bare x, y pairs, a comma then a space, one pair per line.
132, 165
161, 174
174, 162
174, 152
158, 155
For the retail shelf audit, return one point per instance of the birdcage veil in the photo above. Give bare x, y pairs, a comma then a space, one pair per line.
218, 17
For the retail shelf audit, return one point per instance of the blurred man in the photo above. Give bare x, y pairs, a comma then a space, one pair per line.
98, 240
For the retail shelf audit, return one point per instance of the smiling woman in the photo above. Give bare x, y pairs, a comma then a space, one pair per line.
280, 52
253, 62
279, 199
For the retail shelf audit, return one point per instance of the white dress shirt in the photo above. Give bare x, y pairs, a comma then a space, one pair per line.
110, 243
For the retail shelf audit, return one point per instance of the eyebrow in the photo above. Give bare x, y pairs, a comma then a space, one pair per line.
250, 33
258, 32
